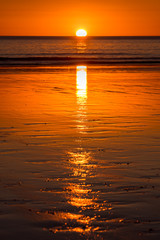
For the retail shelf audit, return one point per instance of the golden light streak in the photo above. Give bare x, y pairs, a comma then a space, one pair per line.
81, 81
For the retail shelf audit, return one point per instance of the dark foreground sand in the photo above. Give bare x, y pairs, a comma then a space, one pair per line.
79, 153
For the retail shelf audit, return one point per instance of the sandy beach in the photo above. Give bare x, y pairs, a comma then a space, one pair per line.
79, 152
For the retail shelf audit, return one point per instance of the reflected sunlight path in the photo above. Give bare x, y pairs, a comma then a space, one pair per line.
81, 93
80, 194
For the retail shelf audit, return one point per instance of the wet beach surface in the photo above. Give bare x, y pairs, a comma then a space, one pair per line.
79, 153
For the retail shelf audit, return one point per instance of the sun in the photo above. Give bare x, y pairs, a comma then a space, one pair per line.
81, 33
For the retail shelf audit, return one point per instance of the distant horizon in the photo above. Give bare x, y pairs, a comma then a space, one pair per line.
79, 37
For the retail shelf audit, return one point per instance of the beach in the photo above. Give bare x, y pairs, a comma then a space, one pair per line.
79, 148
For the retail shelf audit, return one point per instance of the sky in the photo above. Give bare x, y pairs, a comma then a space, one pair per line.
64, 17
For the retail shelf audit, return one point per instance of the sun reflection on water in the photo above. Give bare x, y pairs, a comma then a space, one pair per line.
83, 204
80, 193
81, 82
81, 45
81, 93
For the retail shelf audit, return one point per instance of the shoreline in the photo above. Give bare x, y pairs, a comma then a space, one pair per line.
109, 67
88, 63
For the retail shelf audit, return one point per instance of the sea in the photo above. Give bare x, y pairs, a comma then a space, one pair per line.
80, 138
73, 50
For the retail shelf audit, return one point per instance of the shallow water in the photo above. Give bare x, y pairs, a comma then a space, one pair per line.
79, 153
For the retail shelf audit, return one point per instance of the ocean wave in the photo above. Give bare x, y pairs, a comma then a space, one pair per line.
7, 61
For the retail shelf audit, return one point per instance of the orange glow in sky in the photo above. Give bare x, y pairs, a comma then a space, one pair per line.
64, 17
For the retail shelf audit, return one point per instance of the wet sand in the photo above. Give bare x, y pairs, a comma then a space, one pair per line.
79, 153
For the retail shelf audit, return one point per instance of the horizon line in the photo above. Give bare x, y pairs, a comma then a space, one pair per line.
79, 37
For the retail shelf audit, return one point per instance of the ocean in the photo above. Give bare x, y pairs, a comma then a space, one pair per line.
73, 50
80, 138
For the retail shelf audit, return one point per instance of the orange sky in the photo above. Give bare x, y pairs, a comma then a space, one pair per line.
64, 17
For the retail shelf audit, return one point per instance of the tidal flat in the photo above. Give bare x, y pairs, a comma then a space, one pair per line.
80, 152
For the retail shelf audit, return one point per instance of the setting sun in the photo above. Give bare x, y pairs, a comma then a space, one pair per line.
81, 33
